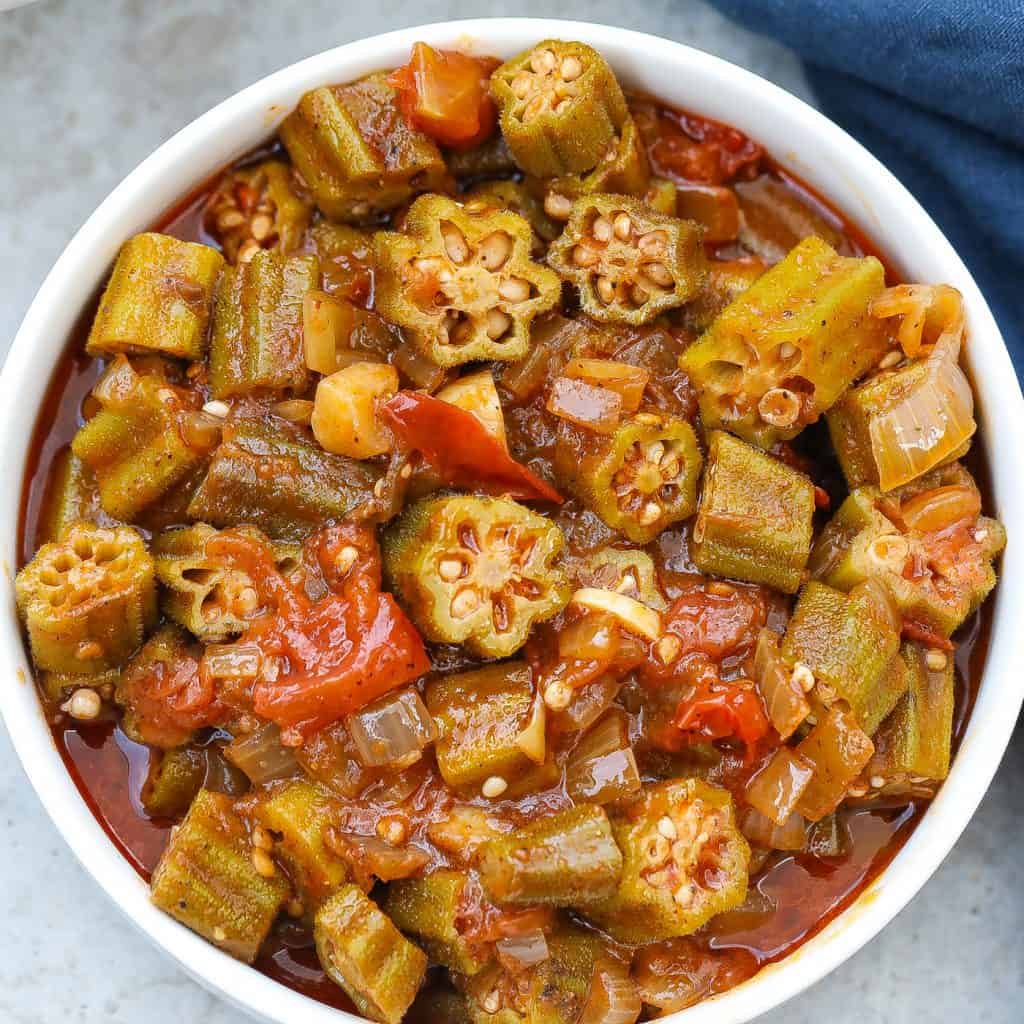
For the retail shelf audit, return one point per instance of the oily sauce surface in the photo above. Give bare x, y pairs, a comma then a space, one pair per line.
792, 896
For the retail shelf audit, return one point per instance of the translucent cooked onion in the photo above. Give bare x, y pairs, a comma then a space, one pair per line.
626, 380
372, 857
928, 310
199, 430
676, 974
261, 755
775, 790
393, 731
237, 662
596, 408
941, 507
423, 372
930, 422
294, 410
603, 768
532, 741
589, 702
594, 637
614, 998
783, 696
520, 952
882, 601
762, 831
631, 614
326, 327
118, 383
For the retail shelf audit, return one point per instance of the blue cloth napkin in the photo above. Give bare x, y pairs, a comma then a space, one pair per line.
935, 89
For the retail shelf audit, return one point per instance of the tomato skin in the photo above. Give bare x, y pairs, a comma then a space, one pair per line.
458, 446
719, 710
446, 95
334, 655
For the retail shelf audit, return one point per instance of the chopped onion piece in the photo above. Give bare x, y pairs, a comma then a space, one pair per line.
762, 831
326, 326
775, 790
676, 974
626, 380
594, 637
477, 395
295, 410
614, 998
532, 740
421, 371
930, 422
233, 661
603, 768
589, 702
783, 696
925, 308
519, 953
262, 756
633, 615
884, 603
199, 430
598, 409
941, 507
393, 731
118, 383
373, 858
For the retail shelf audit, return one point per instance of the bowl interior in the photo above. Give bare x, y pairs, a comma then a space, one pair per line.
802, 141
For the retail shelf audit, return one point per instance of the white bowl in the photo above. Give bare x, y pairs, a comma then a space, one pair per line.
803, 141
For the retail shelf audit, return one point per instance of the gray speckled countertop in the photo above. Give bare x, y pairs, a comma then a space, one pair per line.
89, 88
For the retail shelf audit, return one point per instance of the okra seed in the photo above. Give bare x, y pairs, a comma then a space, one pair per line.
249, 249
557, 206
88, 649
455, 243
877, 782
571, 69
602, 229
493, 787
217, 408
584, 256
652, 244
667, 827
980, 535
345, 559
262, 839
495, 250
378, 488
491, 1003
638, 295
522, 85
659, 274
263, 863
261, 227
558, 696
219, 935
623, 226
827, 694
670, 467
228, 219
667, 649
683, 895
406, 471
465, 602
656, 850
84, 705
857, 791
890, 359
515, 289
393, 831
890, 551
246, 602
606, 290
534, 107
780, 407
648, 419
543, 62
803, 677
787, 350
450, 569
498, 322
651, 514
936, 660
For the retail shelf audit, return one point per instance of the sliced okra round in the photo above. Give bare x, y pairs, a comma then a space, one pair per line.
460, 279
629, 263
640, 479
476, 571
561, 106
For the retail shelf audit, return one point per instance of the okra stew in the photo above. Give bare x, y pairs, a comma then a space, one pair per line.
506, 552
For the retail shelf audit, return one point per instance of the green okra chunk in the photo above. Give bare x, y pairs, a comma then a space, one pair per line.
87, 600
363, 953
298, 815
554, 991
926, 543
206, 879
629, 263
623, 169
57, 686
174, 779
838, 750
912, 747
258, 208
256, 343
630, 572
461, 282
431, 909
639, 479
560, 105
663, 196
476, 571
275, 478
755, 517
785, 350
684, 861
166, 666
355, 151
725, 282
480, 716
147, 439
72, 496
848, 641
158, 299
438, 1004
211, 600
568, 859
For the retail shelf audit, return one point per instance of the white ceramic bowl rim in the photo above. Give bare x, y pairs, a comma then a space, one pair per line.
803, 141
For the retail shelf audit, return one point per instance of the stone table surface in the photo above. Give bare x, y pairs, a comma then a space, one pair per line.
89, 88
